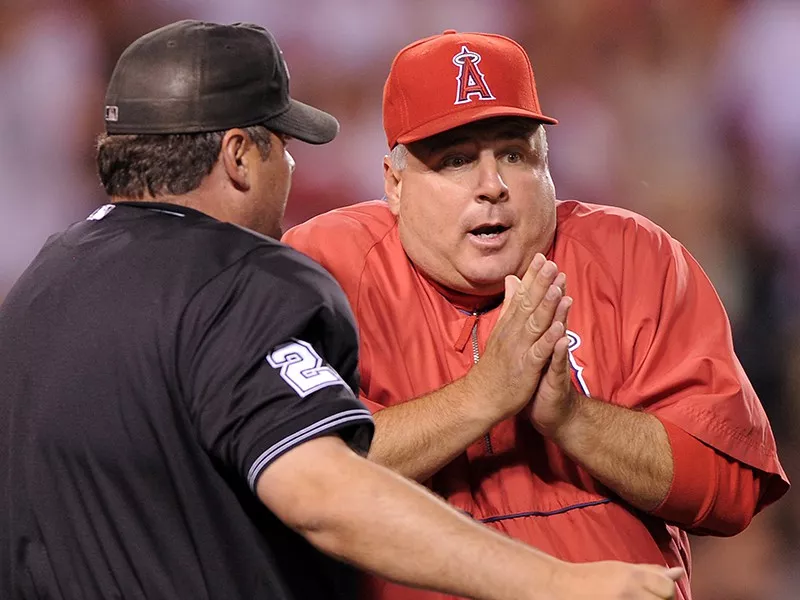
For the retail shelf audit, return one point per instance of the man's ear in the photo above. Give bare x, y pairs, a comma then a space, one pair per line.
233, 155
392, 184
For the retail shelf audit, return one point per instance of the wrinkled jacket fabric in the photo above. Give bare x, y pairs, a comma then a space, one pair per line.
647, 331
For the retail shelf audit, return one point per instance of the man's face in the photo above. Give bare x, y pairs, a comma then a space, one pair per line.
475, 203
271, 185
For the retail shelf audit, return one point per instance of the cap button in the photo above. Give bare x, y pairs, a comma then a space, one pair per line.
449, 31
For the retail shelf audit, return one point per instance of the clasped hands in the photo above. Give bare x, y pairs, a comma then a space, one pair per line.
525, 366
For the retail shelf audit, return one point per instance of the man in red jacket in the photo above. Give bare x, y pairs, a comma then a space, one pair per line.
638, 427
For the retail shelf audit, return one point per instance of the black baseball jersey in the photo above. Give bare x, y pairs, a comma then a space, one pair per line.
153, 362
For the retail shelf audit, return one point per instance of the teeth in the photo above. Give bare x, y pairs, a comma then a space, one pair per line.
489, 230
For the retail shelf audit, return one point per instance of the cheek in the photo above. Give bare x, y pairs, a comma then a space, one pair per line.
536, 199
432, 210
280, 178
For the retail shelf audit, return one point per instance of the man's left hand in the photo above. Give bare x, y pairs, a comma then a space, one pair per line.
556, 399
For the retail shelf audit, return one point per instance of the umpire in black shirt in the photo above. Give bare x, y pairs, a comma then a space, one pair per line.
178, 390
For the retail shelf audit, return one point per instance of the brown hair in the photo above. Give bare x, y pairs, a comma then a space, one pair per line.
135, 166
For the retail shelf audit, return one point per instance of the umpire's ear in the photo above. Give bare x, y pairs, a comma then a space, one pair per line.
392, 183
235, 157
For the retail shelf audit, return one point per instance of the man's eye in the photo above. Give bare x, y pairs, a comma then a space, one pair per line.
454, 162
514, 157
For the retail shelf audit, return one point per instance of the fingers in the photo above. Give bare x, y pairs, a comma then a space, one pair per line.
561, 282
533, 269
542, 349
532, 306
676, 573
538, 295
661, 582
660, 586
512, 284
542, 282
558, 364
553, 346
540, 274
543, 314
562, 311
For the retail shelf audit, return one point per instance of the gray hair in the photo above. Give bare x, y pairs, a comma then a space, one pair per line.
399, 157
541, 140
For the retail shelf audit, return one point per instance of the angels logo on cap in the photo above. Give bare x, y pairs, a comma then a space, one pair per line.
471, 82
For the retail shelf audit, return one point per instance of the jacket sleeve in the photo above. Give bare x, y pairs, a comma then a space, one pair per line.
372, 406
681, 367
316, 239
711, 493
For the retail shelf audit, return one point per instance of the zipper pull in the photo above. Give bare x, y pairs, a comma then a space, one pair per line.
466, 331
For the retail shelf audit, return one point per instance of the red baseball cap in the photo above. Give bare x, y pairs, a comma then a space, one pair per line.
452, 79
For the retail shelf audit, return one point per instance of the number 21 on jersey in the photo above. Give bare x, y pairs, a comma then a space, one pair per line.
302, 368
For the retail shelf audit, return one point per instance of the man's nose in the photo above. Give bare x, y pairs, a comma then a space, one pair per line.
491, 187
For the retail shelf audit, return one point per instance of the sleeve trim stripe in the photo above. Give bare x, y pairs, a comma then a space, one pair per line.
331, 422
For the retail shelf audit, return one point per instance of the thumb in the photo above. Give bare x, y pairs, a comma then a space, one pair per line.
512, 283
675, 573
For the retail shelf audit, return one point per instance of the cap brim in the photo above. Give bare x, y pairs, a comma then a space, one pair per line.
305, 123
463, 117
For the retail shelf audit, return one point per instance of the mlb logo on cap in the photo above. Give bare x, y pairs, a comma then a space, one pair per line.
112, 114
452, 79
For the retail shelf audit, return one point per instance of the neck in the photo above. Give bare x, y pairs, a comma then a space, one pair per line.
200, 199
466, 301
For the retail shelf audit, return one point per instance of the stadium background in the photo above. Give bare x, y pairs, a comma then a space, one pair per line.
687, 112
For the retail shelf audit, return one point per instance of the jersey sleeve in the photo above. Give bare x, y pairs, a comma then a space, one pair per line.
269, 359
346, 262
681, 363
372, 406
711, 493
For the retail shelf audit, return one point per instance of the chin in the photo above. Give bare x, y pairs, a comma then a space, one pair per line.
485, 284
489, 275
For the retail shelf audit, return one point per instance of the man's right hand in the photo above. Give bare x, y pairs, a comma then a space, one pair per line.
611, 580
417, 438
533, 319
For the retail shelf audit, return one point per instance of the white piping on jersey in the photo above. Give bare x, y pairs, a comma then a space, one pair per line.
298, 437
100, 212
167, 212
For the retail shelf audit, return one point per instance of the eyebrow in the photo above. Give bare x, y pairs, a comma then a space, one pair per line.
506, 134
437, 145
513, 134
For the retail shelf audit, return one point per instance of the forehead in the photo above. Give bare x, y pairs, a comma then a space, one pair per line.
486, 130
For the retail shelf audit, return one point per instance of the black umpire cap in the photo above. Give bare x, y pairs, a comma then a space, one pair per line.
193, 76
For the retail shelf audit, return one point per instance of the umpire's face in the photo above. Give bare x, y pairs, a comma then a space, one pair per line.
261, 177
475, 203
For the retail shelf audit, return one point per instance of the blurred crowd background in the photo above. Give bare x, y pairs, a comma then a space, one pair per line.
685, 111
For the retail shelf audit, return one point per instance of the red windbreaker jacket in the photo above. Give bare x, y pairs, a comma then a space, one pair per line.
647, 331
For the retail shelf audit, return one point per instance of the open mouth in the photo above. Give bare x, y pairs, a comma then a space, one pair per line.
488, 231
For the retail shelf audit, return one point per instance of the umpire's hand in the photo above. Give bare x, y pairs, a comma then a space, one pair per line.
611, 580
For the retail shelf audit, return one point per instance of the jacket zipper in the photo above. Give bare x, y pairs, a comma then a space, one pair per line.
476, 356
